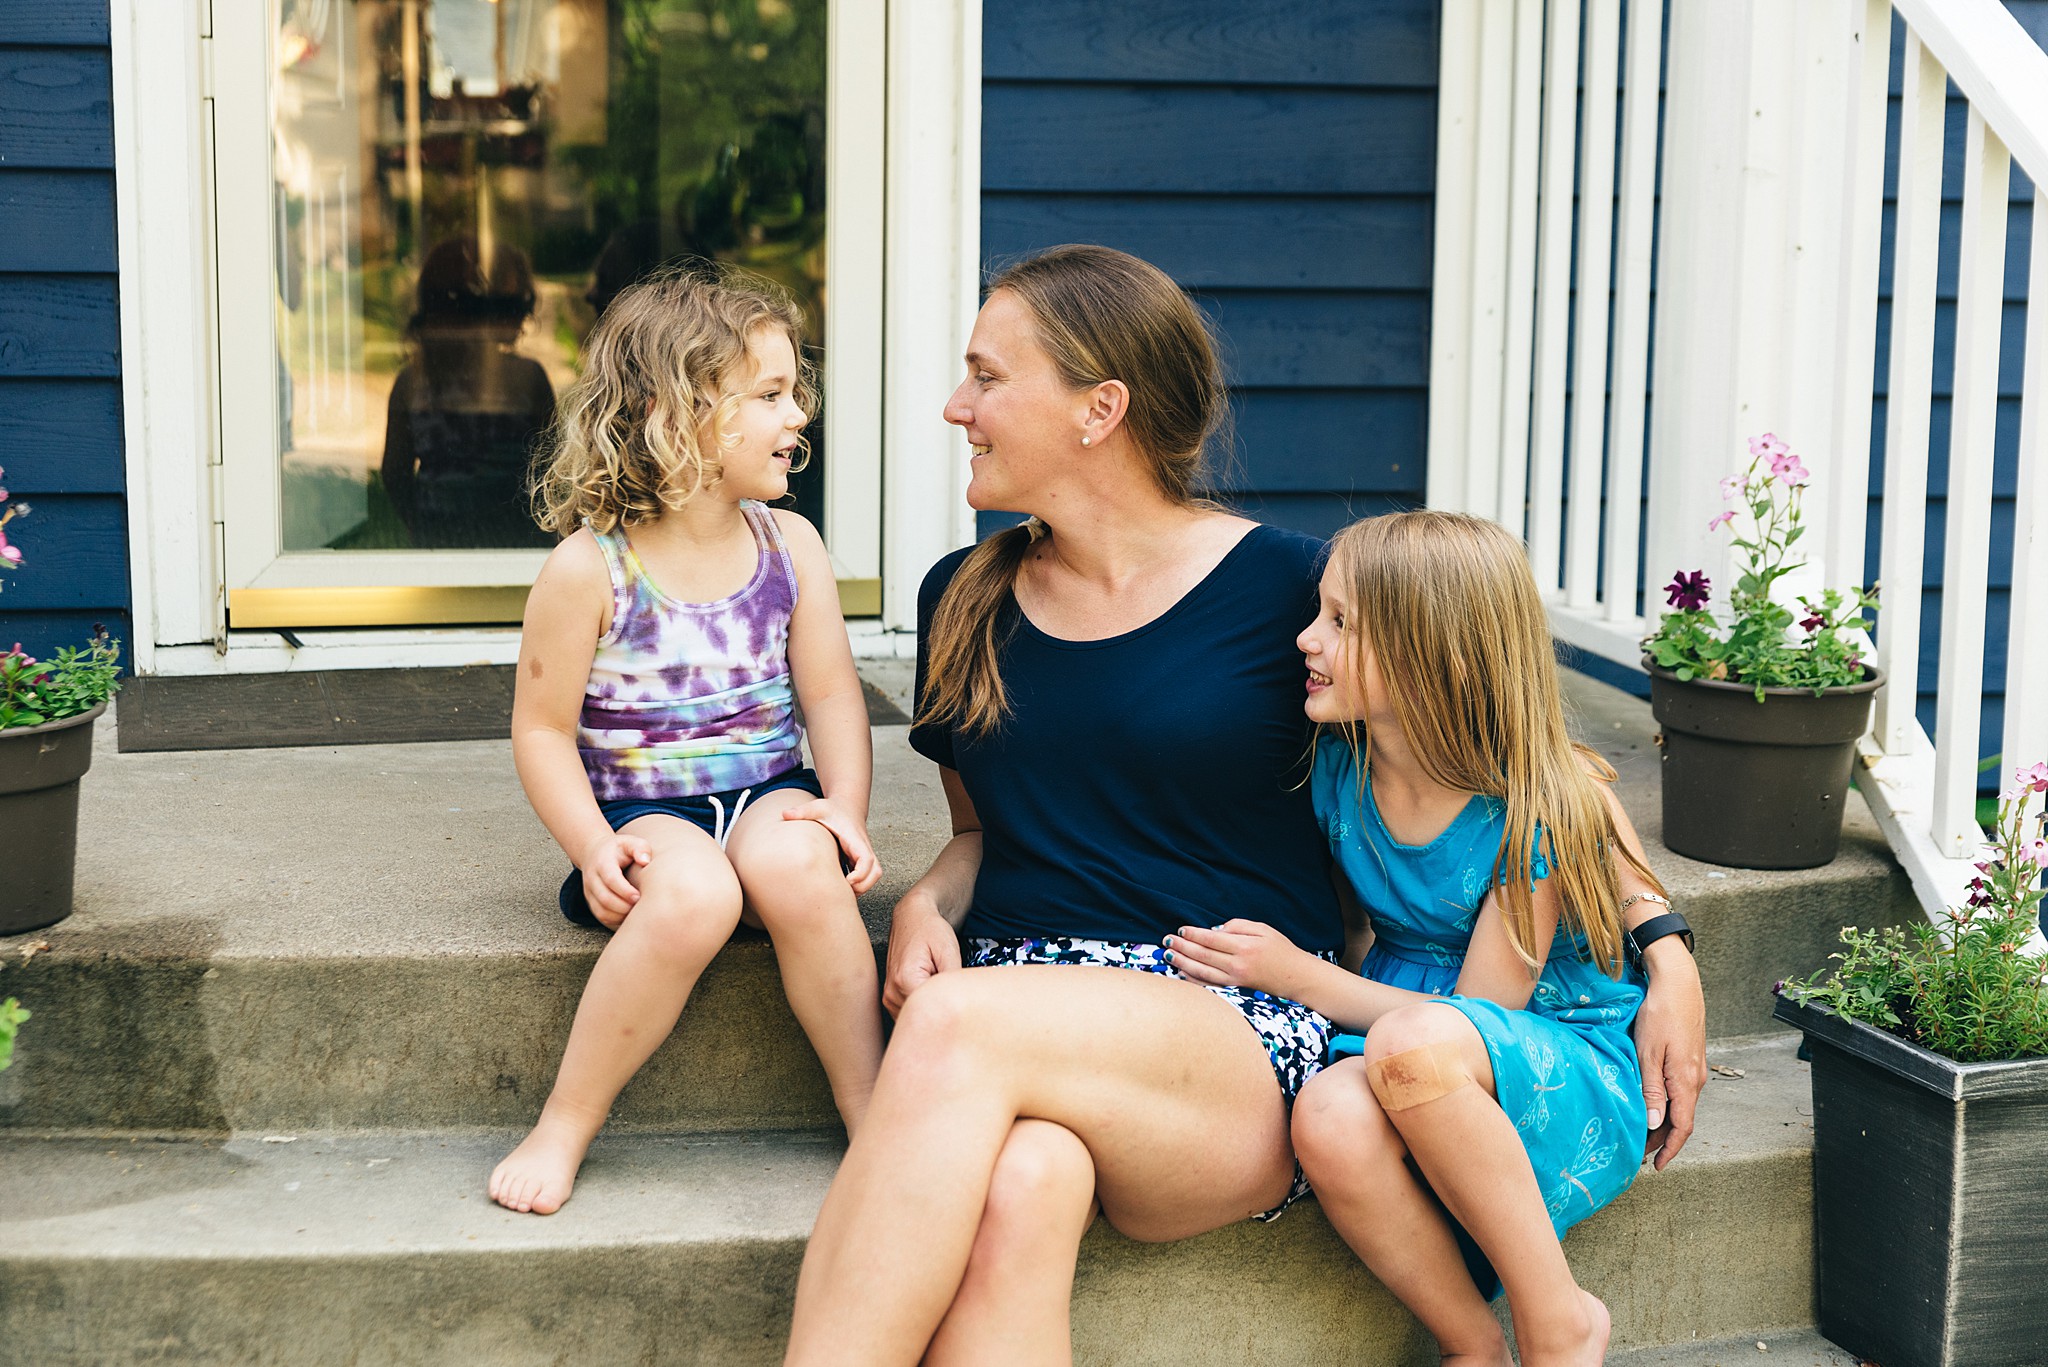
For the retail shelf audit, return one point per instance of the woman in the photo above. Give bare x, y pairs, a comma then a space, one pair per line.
1114, 697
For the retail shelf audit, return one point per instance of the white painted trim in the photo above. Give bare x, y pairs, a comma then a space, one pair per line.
1593, 281
1628, 413
1525, 162
166, 410
856, 140
1617, 640
1486, 332
932, 272
1448, 483
1897, 787
1553, 296
1868, 33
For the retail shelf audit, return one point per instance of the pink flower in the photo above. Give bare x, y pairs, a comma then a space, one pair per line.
2035, 776
1786, 466
1769, 445
2036, 853
1731, 486
1720, 519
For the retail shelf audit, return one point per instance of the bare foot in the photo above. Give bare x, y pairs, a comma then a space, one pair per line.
1588, 1350
538, 1175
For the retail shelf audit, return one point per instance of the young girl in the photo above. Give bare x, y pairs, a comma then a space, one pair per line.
654, 727
1495, 1000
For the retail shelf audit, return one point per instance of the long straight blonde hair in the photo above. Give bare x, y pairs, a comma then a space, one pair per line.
1449, 611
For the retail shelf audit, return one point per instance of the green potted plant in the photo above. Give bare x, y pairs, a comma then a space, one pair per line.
1930, 1119
47, 708
1759, 717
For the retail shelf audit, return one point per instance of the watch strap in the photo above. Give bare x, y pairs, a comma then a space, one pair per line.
1655, 929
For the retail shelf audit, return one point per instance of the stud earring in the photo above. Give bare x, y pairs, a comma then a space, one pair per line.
1086, 440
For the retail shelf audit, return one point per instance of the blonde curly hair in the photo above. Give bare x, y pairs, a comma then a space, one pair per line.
628, 442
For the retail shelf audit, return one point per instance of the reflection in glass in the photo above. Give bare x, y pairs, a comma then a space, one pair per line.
464, 185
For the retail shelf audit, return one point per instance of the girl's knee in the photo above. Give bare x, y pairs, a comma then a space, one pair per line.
1416, 1027
1338, 1126
791, 865
686, 905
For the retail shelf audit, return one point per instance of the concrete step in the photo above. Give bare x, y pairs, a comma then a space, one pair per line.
1798, 1348
366, 936
381, 1248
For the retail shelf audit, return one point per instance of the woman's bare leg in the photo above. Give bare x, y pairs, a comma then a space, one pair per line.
789, 871
1468, 1150
1154, 1075
1013, 1307
1357, 1163
689, 904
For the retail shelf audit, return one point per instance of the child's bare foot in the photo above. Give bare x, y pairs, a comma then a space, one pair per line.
538, 1175
1588, 1349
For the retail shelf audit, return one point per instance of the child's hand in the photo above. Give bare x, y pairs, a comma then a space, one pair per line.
849, 831
605, 885
1238, 954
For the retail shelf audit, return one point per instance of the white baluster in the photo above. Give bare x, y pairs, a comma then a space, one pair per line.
1450, 350
1973, 415
1922, 108
1847, 490
1553, 294
1589, 352
1626, 418
1526, 162
2026, 666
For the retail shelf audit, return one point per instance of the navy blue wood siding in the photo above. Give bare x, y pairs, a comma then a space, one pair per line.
1279, 162
2033, 15
60, 348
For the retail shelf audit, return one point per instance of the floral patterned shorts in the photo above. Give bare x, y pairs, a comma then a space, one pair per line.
1295, 1037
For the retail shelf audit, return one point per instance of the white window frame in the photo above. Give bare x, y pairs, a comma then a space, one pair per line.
895, 491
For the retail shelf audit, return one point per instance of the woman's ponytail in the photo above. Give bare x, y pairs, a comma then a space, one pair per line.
963, 687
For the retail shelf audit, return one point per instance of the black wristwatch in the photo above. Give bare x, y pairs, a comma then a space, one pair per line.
1634, 942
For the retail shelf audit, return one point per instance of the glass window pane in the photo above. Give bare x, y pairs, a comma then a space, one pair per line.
463, 185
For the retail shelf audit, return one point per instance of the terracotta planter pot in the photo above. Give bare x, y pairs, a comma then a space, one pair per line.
1928, 1203
1757, 785
39, 771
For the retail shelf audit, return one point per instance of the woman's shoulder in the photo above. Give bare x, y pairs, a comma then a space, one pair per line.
938, 577
1267, 552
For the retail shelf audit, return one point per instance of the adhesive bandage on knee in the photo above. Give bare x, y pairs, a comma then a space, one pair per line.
1418, 1075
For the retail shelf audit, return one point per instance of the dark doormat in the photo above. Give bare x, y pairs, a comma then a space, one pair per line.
336, 707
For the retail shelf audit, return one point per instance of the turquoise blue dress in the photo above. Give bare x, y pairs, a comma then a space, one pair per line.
1565, 1068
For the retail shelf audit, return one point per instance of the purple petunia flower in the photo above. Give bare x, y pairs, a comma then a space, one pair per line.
1688, 591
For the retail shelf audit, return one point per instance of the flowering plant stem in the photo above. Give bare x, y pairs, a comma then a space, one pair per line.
1764, 645
1964, 986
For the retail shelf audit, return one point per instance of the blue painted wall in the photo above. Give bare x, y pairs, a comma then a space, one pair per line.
1277, 161
60, 352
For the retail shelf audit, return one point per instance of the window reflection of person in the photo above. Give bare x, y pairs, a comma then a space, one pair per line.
466, 409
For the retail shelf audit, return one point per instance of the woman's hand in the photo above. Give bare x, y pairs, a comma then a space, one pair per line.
1240, 954
922, 944
851, 833
1671, 1043
605, 885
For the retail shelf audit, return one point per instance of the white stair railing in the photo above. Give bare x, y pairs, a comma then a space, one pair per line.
1793, 329
1924, 791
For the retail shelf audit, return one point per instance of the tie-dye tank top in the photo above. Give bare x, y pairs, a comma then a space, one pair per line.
692, 698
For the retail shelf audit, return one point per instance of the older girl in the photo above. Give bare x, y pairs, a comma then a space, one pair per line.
1116, 711
1497, 869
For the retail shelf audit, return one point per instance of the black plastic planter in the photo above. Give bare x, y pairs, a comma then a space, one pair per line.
39, 771
1929, 1203
1757, 785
